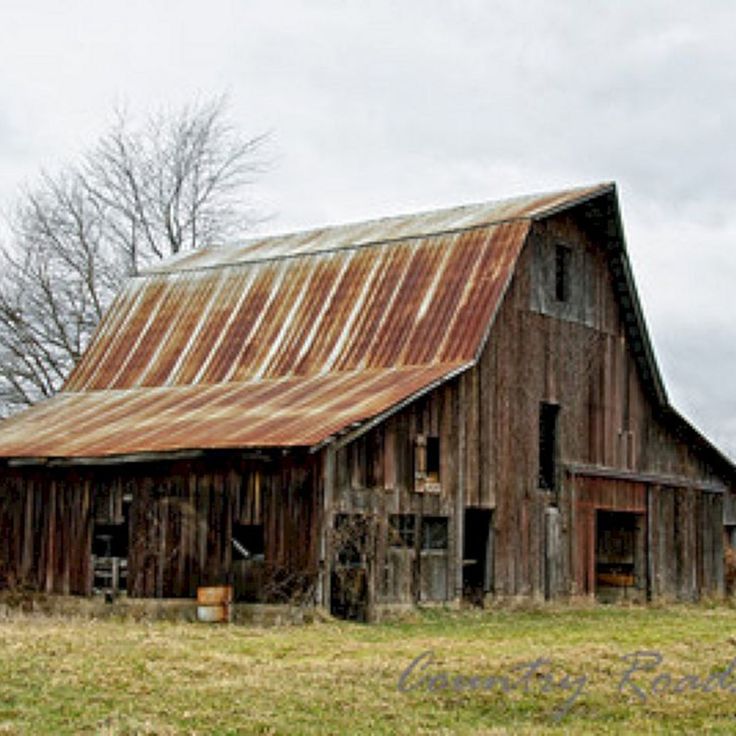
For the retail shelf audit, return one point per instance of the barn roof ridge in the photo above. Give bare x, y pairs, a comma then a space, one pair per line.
327, 251
530, 207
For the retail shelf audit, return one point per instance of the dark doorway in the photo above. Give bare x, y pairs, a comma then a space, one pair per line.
477, 555
349, 579
250, 578
618, 555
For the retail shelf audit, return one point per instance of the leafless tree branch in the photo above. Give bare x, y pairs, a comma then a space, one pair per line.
142, 193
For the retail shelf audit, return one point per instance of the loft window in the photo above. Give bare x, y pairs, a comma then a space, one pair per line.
434, 532
433, 459
563, 256
420, 458
426, 463
402, 530
548, 414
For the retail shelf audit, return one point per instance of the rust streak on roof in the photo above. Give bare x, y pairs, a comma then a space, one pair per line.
387, 306
293, 411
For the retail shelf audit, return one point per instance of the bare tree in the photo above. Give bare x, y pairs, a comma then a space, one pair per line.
141, 194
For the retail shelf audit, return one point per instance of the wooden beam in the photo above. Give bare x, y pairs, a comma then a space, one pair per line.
325, 561
600, 471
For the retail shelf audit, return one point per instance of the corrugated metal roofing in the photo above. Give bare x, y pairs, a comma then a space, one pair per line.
299, 410
413, 302
286, 340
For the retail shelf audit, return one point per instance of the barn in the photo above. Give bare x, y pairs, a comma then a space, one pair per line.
460, 404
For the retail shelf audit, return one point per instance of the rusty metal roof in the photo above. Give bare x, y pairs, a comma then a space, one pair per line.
413, 302
282, 412
286, 340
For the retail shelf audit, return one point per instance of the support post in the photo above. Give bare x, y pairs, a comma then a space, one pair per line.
325, 560
460, 497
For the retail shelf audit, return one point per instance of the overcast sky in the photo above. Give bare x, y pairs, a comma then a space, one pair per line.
385, 107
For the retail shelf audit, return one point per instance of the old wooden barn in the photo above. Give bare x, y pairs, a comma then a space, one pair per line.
463, 403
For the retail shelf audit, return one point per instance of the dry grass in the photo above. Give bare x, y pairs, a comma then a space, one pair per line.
114, 677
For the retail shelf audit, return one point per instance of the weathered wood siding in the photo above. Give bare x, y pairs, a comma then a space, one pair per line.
686, 543
579, 358
46, 526
376, 475
181, 522
574, 354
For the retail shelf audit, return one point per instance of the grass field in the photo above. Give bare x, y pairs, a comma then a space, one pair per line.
61, 676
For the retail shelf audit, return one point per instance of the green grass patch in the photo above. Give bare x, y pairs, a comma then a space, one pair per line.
72, 676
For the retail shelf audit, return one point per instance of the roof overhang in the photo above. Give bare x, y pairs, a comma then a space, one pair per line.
132, 424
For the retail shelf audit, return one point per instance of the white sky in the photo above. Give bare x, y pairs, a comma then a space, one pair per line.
385, 107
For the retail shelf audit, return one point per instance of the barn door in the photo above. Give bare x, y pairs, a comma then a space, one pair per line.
350, 567
434, 559
610, 551
477, 555
619, 552
401, 559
